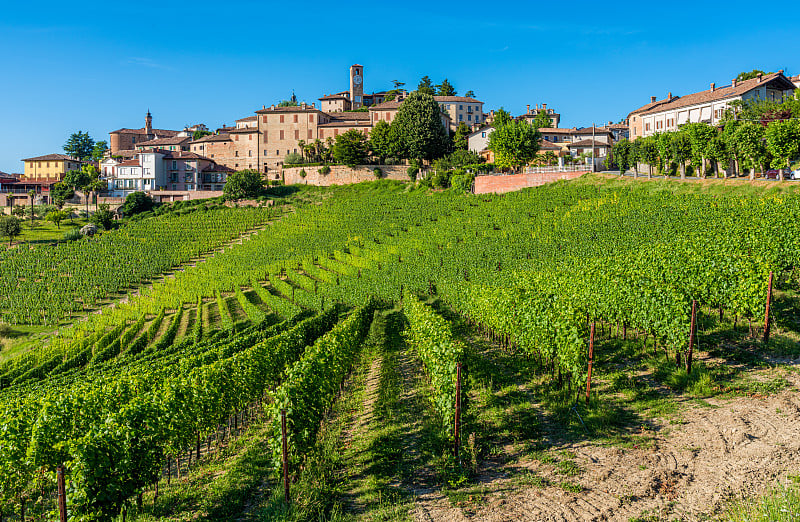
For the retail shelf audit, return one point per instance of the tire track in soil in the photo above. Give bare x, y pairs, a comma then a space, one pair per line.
739, 446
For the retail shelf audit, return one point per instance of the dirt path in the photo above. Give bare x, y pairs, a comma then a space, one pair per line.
728, 448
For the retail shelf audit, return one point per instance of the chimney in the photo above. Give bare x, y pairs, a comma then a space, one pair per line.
652, 99
544, 106
312, 104
529, 108
669, 96
303, 106
263, 106
609, 124
273, 107
713, 87
733, 83
758, 78
780, 72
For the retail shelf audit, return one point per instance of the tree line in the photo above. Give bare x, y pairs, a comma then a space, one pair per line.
752, 137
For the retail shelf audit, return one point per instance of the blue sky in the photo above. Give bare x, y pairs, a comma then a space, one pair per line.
98, 66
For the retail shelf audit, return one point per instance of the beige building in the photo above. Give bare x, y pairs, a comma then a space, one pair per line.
530, 115
353, 98
707, 106
462, 109
176, 143
51, 167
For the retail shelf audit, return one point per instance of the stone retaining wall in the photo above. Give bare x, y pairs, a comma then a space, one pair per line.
500, 184
342, 174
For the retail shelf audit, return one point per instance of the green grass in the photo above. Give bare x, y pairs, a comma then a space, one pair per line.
45, 231
778, 505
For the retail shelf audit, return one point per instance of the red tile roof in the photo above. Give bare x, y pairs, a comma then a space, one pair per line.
720, 93
213, 137
163, 133
456, 99
587, 143
175, 140
249, 118
52, 157
129, 163
300, 108
242, 130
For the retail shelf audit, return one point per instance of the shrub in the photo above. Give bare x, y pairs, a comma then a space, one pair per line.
72, 235
412, 172
377, 172
324, 170
136, 203
302, 173
293, 158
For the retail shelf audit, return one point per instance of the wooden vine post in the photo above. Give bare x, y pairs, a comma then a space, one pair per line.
62, 494
458, 410
692, 337
285, 452
591, 361
766, 313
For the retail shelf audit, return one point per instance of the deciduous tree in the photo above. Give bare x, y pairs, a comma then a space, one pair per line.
99, 150
542, 120
783, 142
10, 227
420, 128
350, 148
750, 141
514, 142
243, 184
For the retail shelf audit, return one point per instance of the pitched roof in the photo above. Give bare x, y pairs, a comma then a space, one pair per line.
249, 118
164, 133
349, 116
243, 130
482, 129
182, 154
175, 140
586, 143
389, 105
544, 144
719, 93
52, 157
129, 163
340, 96
456, 99
216, 167
213, 137
299, 108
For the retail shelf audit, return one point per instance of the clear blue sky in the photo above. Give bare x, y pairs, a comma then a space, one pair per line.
98, 66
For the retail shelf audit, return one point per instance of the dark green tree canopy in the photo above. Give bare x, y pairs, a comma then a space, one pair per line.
137, 202
79, 145
196, 135
469, 94
243, 184
384, 141
10, 227
750, 75
420, 128
446, 89
350, 148
514, 142
426, 86
460, 139
99, 150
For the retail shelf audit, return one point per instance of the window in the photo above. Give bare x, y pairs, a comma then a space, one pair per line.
174, 187
461, 107
647, 126
266, 153
174, 165
309, 133
469, 117
236, 154
249, 153
297, 134
483, 134
190, 186
281, 134
460, 117
236, 138
277, 153
250, 137
264, 119
310, 118
281, 118
335, 132
322, 134
295, 118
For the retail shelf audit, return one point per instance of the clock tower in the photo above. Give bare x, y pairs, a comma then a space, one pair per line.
356, 86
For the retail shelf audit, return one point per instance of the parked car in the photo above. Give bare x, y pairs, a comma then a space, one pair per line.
775, 174
796, 174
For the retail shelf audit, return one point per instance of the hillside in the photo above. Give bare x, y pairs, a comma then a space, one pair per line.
352, 311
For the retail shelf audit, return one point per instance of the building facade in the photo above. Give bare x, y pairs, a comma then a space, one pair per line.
462, 109
530, 115
126, 139
49, 167
707, 106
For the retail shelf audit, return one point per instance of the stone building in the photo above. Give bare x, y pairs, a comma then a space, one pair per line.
126, 139
530, 115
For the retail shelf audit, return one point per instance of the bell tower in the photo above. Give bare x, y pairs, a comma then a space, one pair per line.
356, 86
148, 125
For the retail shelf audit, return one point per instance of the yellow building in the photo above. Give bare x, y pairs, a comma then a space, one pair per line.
49, 167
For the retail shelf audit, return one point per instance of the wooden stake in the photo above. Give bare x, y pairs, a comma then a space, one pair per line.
285, 445
458, 410
591, 361
62, 494
692, 335
766, 313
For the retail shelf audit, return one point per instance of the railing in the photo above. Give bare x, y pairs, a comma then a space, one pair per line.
565, 168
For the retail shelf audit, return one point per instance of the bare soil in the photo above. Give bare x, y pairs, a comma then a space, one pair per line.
720, 449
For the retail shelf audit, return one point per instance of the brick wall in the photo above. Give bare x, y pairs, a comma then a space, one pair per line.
501, 184
342, 174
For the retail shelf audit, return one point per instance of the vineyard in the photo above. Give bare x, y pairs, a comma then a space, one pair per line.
476, 335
